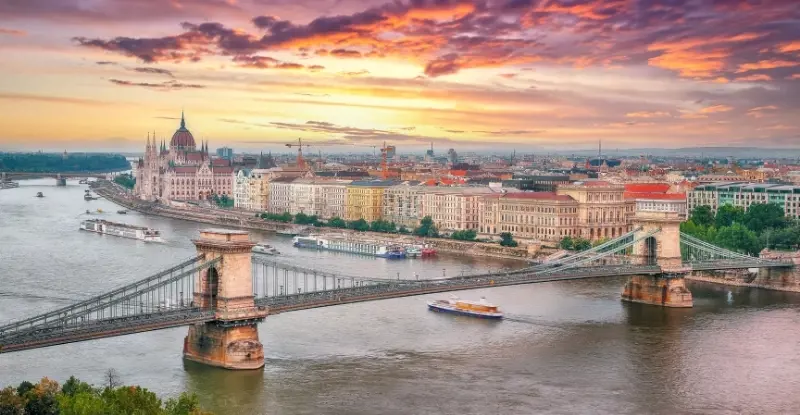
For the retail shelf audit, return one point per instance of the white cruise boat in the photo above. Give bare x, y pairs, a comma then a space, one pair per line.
122, 230
262, 248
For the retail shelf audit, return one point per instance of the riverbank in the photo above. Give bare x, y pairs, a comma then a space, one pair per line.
247, 220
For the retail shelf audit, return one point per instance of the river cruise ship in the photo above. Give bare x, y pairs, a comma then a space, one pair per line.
122, 230
455, 305
341, 244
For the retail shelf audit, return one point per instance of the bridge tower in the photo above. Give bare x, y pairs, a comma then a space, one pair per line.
61, 181
231, 340
667, 289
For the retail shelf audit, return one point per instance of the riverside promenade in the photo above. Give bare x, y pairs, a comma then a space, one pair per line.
247, 220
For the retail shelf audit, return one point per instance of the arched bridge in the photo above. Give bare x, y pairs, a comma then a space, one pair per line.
225, 288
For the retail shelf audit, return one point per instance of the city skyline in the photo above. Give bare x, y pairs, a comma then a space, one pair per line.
473, 75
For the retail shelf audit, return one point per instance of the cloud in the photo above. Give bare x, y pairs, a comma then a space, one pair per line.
713, 109
510, 132
648, 114
12, 32
157, 71
508, 75
266, 62
355, 73
766, 64
755, 78
165, 86
51, 99
345, 53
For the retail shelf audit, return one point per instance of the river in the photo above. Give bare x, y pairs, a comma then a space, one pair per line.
566, 347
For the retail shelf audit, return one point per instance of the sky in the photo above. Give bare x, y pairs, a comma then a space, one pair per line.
466, 74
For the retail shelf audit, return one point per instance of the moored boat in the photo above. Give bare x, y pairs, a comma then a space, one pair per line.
121, 229
455, 305
342, 244
122, 212
39, 194
262, 248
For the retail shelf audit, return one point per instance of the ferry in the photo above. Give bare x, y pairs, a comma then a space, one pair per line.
480, 309
416, 251
121, 229
262, 248
343, 245
39, 194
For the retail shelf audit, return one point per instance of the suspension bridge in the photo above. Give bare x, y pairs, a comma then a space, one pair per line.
224, 291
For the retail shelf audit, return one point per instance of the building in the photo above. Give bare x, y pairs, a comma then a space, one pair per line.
602, 210
241, 190
537, 183
225, 153
454, 208
280, 191
365, 199
325, 198
744, 194
402, 204
179, 171
545, 216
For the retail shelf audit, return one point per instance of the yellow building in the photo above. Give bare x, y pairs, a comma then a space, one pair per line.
365, 199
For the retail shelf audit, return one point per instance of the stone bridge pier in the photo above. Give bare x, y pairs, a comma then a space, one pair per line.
231, 340
667, 289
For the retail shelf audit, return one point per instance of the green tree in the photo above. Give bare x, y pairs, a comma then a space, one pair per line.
186, 404
24, 387
358, 225
403, 229
691, 228
702, 215
426, 228
738, 238
761, 216
506, 239
582, 244
83, 403
73, 386
465, 235
727, 215
566, 243
125, 180
132, 400
42, 399
337, 222
303, 219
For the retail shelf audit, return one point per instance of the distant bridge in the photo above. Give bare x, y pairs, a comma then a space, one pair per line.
61, 177
224, 289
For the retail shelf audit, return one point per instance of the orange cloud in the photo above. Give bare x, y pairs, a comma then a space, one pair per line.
715, 109
648, 114
755, 78
692, 64
793, 76
789, 47
12, 32
766, 64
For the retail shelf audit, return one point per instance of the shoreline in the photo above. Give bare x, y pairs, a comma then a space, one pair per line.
247, 220
735, 283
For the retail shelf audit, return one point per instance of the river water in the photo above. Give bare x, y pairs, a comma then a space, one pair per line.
566, 347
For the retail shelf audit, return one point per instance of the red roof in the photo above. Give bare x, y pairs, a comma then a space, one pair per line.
186, 169
655, 196
223, 170
458, 173
194, 156
538, 195
647, 187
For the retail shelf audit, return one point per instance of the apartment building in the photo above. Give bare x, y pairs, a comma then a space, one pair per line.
280, 192
325, 198
744, 194
545, 216
402, 204
365, 199
241, 189
602, 209
454, 208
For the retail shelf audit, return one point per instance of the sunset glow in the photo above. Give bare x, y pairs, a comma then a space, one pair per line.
537, 74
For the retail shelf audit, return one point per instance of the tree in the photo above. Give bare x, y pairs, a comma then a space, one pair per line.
41, 400
738, 238
506, 239
582, 244
381, 225
465, 235
566, 243
727, 215
702, 216
358, 225
73, 386
337, 222
111, 378
599, 241
426, 228
125, 180
761, 216
403, 229
132, 400
24, 387
303, 219
10, 402
186, 404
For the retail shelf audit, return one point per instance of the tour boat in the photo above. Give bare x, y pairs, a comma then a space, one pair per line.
122, 212
480, 309
342, 244
121, 229
263, 248
39, 194
414, 251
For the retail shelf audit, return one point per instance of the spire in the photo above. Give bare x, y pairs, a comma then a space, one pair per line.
183, 122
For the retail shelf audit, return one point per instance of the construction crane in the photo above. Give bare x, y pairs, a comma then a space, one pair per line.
301, 163
384, 156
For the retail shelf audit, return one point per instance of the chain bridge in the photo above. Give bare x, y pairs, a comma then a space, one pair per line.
224, 291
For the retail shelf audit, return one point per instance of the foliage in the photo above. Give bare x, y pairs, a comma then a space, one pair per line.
125, 180
739, 238
506, 239
337, 222
303, 219
80, 398
358, 225
284, 217
702, 216
727, 215
599, 242
58, 163
403, 229
381, 225
426, 228
465, 235
581, 244
762, 216
787, 238
223, 201
566, 243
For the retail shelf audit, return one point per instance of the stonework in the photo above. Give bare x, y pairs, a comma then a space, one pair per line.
657, 290
231, 340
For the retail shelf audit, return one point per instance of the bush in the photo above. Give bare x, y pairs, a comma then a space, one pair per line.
465, 235
506, 239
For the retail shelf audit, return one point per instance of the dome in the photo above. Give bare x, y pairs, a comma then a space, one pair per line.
182, 138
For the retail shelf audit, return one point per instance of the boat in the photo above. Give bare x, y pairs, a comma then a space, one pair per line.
83, 181
414, 251
121, 229
428, 252
39, 194
122, 212
341, 244
455, 305
262, 248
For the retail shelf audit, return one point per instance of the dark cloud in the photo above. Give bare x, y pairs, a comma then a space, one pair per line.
345, 53
164, 86
156, 71
106, 63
